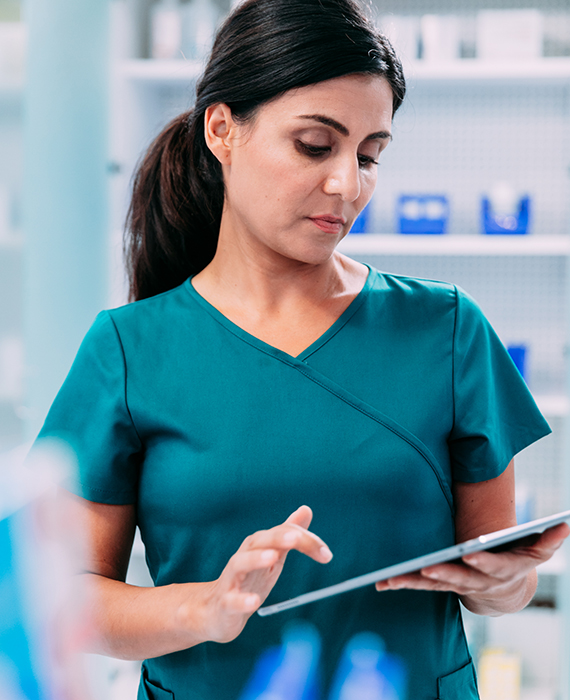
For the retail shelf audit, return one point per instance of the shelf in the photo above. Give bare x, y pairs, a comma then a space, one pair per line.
550, 70
152, 71
471, 70
553, 406
394, 244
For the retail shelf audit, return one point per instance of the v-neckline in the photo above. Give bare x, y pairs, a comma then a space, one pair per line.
251, 339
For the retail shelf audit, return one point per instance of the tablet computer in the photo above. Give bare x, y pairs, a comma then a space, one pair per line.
501, 540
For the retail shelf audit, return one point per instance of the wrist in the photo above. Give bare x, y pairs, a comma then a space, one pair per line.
192, 616
508, 598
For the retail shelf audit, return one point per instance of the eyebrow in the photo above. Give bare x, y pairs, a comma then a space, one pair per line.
337, 126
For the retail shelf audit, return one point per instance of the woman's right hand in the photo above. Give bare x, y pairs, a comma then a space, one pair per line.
251, 573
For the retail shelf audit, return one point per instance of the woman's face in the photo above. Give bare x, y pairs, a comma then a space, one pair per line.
299, 174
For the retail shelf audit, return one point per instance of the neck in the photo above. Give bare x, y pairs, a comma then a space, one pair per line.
246, 275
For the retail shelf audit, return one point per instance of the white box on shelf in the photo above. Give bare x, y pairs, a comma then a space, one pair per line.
441, 39
509, 34
403, 32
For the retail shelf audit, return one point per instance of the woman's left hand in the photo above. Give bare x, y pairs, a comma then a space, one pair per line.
489, 583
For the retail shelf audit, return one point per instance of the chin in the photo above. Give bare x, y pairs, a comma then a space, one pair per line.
313, 255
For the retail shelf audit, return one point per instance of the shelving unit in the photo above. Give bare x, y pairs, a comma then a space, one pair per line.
554, 71
393, 244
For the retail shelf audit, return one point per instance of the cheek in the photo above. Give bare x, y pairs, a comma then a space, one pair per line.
367, 186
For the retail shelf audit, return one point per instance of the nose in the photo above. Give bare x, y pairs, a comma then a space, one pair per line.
344, 179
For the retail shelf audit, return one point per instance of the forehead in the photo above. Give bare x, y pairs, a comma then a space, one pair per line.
359, 101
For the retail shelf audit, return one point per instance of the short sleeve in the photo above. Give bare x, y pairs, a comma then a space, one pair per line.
495, 415
90, 414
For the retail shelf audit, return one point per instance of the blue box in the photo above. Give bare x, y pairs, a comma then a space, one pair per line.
510, 224
422, 214
518, 355
362, 222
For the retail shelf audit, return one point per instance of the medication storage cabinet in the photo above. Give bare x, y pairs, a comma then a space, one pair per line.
468, 123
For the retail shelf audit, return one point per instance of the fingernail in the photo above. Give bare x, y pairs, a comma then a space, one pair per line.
431, 574
267, 555
251, 601
326, 554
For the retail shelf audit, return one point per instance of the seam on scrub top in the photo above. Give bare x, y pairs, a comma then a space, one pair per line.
125, 382
455, 323
441, 482
131, 494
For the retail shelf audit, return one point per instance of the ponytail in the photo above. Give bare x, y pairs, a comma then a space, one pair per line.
175, 211
264, 49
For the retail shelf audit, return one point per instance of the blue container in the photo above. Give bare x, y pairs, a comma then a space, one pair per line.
505, 224
518, 355
362, 222
422, 214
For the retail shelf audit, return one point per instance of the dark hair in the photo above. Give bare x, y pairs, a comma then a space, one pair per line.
263, 49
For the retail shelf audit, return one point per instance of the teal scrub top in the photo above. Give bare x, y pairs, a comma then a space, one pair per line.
214, 434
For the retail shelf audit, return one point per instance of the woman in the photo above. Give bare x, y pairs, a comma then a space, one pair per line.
260, 370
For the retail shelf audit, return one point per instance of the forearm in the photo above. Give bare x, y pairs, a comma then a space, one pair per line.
512, 598
134, 623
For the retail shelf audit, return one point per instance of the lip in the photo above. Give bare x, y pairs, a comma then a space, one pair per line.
328, 223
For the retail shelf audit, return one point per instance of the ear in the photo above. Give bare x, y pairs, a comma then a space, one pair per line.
219, 128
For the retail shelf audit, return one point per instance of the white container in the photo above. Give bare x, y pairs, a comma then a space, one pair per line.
403, 32
509, 34
166, 30
441, 38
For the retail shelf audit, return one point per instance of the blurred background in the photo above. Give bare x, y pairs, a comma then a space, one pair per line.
474, 189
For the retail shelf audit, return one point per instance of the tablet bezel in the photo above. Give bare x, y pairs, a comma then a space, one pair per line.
478, 544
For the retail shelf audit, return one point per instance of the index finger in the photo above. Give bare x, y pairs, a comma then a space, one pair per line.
288, 536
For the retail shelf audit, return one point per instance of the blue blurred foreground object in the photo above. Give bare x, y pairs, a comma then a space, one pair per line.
288, 672
422, 214
40, 612
368, 672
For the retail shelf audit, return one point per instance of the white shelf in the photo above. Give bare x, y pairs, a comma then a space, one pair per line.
447, 244
551, 70
553, 406
556, 70
154, 71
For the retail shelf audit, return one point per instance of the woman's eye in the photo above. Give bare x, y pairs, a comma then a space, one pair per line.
312, 151
366, 161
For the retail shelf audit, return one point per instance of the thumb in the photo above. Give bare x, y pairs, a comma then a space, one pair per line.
302, 517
